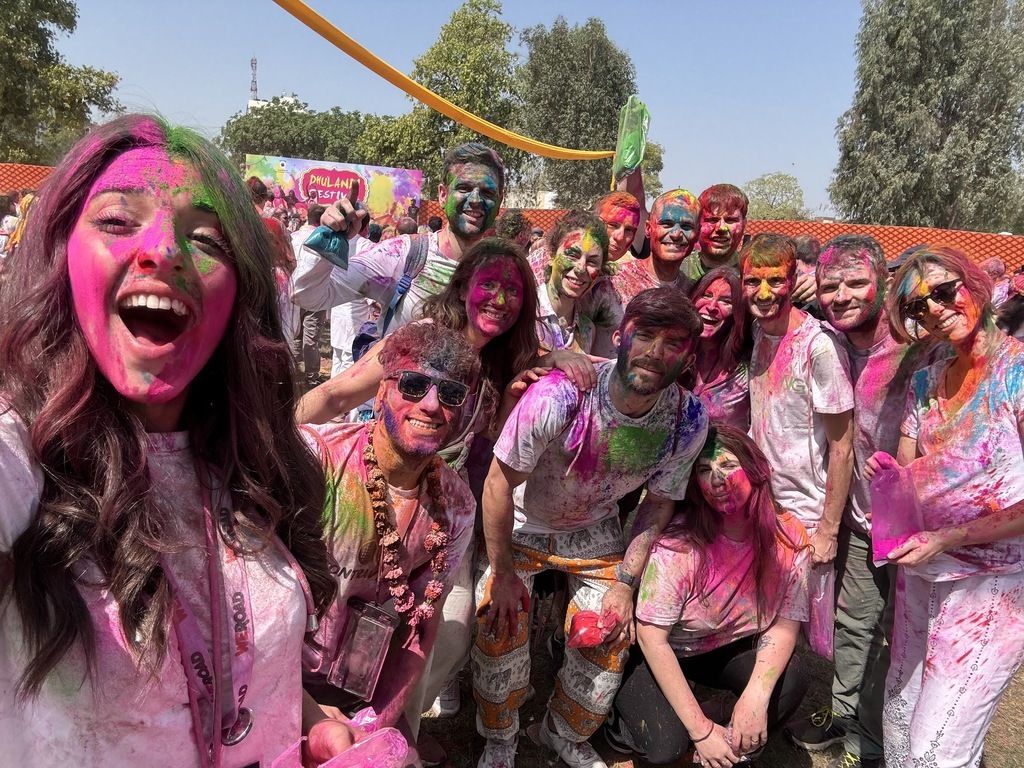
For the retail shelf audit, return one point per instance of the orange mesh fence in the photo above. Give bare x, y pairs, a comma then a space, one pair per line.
17, 176
978, 245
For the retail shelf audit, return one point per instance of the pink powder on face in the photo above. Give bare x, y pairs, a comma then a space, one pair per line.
416, 427
139, 235
495, 297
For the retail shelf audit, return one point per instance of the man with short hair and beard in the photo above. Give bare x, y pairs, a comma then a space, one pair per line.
549, 503
852, 280
398, 519
470, 194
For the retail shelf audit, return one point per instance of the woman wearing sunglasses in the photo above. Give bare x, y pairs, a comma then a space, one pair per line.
958, 634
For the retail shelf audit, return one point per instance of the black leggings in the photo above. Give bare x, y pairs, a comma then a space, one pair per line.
644, 721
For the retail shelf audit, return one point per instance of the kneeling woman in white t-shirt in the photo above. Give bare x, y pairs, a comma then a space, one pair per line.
720, 604
157, 505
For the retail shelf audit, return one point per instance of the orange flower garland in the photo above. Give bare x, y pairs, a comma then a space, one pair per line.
436, 542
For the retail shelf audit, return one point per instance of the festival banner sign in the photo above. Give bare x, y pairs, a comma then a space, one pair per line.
388, 193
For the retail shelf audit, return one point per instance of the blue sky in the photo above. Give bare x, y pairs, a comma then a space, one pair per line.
735, 90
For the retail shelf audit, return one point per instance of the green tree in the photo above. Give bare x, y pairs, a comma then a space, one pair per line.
775, 196
934, 137
471, 65
573, 83
287, 127
47, 103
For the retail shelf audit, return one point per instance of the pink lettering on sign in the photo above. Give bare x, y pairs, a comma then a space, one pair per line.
331, 185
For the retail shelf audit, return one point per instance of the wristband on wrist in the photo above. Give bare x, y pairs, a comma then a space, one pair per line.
705, 736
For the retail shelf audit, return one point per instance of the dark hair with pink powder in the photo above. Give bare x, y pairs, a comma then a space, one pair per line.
434, 346
664, 307
700, 524
96, 503
863, 247
975, 280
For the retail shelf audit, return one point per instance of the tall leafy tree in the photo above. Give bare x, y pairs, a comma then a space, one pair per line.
935, 135
573, 83
287, 127
775, 196
471, 65
45, 103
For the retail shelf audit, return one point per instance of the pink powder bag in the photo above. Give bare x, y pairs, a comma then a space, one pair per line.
895, 513
821, 624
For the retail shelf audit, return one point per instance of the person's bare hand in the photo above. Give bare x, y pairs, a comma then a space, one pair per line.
805, 288
921, 548
518, 386
823, 547
344, 217
715, 750
575, 365
505, 596
617, 614
328, 738
879, 461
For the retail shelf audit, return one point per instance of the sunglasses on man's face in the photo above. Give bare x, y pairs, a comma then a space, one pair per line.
943, 293
415, 386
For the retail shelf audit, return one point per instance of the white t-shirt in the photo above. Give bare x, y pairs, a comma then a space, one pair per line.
583, 455
793, 380
372, 273
132, 715
881, 378
972, 460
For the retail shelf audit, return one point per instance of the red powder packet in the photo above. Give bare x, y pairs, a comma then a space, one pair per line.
586, 629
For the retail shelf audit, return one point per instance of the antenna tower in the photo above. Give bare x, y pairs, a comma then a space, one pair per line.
252, 85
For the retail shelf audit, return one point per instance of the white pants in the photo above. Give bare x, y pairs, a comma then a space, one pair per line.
451, 647
956, 646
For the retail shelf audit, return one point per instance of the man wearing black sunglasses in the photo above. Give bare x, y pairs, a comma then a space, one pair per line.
398, 519
563, 459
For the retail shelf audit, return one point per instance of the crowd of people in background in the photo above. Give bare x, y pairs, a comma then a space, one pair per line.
684, 441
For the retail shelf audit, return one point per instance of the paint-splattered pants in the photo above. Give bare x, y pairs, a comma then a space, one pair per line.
589, 677
956, 646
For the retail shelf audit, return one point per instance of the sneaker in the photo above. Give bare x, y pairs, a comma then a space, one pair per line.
820, 731
499, 754
576, 754
850, 760
448, 701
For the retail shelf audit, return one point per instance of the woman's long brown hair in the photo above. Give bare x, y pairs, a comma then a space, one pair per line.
96, 504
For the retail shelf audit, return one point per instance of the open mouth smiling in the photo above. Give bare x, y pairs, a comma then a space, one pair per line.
155, 319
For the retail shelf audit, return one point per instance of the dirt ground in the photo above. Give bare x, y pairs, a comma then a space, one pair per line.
463, 745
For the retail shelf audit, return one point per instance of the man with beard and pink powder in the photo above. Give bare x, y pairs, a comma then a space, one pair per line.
470, 194
801, 405
549, 504
852, 279
398, 519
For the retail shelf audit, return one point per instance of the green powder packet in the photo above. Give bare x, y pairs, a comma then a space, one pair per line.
634, 120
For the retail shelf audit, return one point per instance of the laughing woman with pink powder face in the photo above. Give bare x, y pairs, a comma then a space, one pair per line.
958, 628
158, 508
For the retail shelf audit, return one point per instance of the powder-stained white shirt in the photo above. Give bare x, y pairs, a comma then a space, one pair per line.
794, 379
582, 455
128, 715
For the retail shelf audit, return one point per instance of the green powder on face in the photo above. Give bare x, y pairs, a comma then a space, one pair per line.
632, 449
